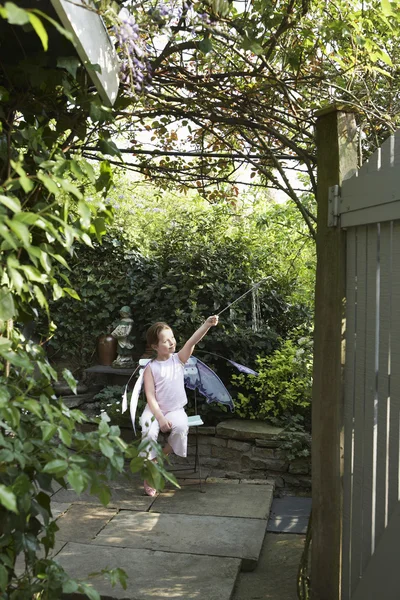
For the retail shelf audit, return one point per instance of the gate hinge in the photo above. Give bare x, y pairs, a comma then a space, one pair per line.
333, 205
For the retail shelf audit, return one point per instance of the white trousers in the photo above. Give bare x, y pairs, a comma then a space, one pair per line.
177, 438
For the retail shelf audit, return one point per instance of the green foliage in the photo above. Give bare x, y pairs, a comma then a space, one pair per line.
283, 386
44, 217
110, 398
295, 440
189, 260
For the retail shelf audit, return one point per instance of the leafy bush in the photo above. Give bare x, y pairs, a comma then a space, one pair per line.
110, 399
283, 386
194, 266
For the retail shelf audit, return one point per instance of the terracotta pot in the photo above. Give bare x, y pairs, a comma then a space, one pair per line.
106, 350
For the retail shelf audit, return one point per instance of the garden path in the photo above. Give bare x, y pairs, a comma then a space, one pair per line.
181, 544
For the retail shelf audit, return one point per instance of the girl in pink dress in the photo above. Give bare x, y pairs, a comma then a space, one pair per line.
165, 390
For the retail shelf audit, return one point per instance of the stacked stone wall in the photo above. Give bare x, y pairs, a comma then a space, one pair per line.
239, 449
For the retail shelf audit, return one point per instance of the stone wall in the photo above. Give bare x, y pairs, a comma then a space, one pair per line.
234, 449
240, 449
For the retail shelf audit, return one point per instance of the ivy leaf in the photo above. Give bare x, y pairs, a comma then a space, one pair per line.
70, 586
8, 499
69, 63
48, 182
16, 15
56, 467
386, 8
4, 94
7, 306
100, 227
76, 480
20, 231
70, 379
40, 297
109, 147
136, 464
71, 292
85, 214
10, 202
55, 23
3, 578
253, 46
70, 188
40, 30
106, 447
8, 237
205, 45
65, 436
90, 592
48, 430
34, 274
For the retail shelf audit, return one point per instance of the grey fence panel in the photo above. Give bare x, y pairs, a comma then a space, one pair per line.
370, 397
351, 347
371, 479
382, 410
394, 418
358, 424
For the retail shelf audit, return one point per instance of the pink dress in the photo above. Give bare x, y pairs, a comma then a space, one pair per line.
171, 397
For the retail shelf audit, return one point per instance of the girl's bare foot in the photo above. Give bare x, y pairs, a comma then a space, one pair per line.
148, 489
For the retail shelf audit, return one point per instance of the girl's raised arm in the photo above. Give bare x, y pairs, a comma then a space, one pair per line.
187, 349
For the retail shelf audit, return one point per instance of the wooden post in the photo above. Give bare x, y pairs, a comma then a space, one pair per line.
337, 160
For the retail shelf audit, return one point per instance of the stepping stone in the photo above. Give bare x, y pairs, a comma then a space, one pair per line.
220, 499
81, 523
152, 575
58, 508
125, 493
189, 534
20, 562
289, 515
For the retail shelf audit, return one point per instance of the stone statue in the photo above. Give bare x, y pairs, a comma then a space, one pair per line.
122, 333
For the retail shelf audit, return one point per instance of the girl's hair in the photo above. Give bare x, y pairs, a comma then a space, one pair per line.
154, 331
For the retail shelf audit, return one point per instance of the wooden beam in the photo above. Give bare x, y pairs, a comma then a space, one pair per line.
337, 160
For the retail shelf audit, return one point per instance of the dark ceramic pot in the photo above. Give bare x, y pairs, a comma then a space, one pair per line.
107, 350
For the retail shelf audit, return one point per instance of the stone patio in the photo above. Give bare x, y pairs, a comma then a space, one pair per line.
181, 544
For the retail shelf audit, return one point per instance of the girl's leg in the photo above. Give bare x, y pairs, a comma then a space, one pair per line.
177, 439
167, 449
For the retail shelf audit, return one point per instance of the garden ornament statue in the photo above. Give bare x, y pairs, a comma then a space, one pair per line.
123, 334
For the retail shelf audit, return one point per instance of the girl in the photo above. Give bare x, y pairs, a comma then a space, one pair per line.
165, 390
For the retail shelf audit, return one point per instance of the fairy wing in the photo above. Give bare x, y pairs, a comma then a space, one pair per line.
135, 393
242, 368
198, 375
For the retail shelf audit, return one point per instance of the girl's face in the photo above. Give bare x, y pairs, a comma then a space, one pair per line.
166, 344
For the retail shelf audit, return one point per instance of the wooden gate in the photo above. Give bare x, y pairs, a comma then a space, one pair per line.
369, 210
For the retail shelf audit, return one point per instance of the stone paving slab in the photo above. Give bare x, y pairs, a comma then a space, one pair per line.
58, 508
125, 493
288, 525
20, 562
187, 534
81, 523
289, 515
219, 499
152, 575
275, 577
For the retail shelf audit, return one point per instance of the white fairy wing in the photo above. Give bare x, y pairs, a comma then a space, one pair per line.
135, 397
